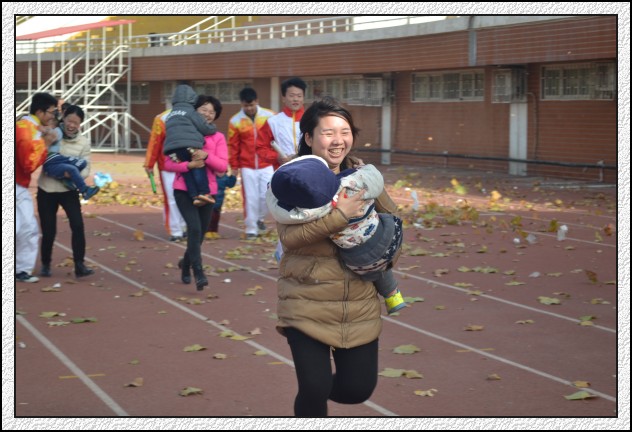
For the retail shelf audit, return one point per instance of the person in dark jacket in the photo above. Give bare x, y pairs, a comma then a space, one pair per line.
186, 130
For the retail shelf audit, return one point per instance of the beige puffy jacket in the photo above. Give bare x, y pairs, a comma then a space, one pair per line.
317, 294
78, 147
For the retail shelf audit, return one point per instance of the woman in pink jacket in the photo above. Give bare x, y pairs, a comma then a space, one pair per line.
213, 156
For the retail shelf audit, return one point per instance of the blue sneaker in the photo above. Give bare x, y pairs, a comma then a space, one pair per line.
89, 192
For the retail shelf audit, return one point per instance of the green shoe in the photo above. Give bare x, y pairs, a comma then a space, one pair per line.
394, 302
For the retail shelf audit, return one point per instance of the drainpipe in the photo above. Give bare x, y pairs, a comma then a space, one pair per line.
471, 41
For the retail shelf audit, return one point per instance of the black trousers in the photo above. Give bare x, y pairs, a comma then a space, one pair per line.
47, 207
354, 380
197, 220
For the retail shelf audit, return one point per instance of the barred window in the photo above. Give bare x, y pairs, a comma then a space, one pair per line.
579, 81
448, 86
349, 90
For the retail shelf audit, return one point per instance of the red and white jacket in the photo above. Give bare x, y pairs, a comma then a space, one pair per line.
284, 128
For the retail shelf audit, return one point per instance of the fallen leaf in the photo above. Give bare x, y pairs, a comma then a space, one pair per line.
137, 382
195, 347
493, 377
473, 327
134, 362
139, 235
406, 349
413, 374
528, 321
413, 299
462, 284
239, 338
581, 384
260, 353
49, 314
514, 283
429, 392
188, 391
220, 356
439, 307
256, 331
580, 395
57, 323
82, 320
50, 289
592, 276
549, 300
392, 373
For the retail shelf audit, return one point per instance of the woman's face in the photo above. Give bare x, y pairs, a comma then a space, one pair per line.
208, 112
332, 140
72, 123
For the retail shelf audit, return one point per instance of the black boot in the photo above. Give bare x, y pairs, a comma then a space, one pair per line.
45, 271
200, 277
186, 271
213, 225
81, 270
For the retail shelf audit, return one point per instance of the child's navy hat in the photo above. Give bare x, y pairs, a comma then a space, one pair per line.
305, 182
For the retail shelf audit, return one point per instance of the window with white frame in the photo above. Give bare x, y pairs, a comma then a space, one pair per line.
509, 85
349, 90
592, 81
448, 86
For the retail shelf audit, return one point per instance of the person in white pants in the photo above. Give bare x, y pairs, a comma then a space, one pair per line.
243, 129
33, 136
173, 220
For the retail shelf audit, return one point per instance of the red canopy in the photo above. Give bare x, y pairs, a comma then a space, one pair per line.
72, 29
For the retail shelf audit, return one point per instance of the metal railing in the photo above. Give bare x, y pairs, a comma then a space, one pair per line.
215, 34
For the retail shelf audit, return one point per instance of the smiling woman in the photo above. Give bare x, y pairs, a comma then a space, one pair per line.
325, 309
53, 192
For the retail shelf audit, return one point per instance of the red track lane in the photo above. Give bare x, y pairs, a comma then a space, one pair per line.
82, 369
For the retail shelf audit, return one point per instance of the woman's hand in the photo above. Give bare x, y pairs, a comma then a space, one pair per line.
199, 155
356, 162
351, 206
196, 163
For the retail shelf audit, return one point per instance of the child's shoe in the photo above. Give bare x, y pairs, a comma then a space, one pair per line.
209, 199
394, 302
69, 184
89, 192
202, 200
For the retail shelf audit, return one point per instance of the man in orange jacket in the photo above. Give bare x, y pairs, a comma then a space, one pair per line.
243, 129
33, 136
173, 220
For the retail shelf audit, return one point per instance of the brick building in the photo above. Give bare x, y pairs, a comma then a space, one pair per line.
532, 95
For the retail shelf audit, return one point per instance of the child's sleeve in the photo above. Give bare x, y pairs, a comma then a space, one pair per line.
201, 125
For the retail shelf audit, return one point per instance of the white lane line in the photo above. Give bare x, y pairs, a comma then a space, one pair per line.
497, 358
498, 299
107, 400
207, 320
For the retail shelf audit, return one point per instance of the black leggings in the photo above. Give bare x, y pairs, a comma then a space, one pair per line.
47, 205
354, 380
197, 220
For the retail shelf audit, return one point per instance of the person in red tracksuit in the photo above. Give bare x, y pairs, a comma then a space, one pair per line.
174, 223
283, 129
243, 129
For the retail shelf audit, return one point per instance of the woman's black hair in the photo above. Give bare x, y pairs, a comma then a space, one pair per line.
75, 109
217, 105
324, 107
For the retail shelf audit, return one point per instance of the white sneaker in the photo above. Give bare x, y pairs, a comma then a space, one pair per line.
26, 277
